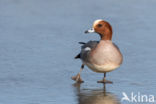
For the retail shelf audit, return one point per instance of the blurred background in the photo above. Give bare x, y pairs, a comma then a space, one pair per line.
39, 40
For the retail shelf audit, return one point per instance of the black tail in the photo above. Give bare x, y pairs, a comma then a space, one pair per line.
78, 56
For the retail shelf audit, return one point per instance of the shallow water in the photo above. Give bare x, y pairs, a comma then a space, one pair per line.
39, 40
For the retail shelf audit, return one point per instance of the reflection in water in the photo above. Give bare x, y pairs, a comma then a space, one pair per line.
95, 96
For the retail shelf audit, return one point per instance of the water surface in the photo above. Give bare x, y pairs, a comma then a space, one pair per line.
39, 40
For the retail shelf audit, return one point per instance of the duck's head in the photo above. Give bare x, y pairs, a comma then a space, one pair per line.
103, 28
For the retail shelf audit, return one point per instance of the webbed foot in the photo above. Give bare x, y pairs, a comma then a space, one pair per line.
77, 78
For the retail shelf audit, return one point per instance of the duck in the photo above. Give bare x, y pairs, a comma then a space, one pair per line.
101, 56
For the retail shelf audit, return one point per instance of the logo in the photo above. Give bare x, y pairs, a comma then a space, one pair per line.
137, 98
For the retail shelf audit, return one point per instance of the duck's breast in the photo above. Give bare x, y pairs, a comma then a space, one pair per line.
105, 56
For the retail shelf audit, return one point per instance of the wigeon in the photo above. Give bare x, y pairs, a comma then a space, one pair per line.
100, 56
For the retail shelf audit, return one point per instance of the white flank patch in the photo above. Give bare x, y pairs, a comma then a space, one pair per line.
87, 49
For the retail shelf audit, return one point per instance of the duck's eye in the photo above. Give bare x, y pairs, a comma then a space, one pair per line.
99, 25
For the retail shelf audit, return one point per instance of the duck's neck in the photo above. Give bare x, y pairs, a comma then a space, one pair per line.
105, 36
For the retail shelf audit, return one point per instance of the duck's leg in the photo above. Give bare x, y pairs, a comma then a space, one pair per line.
104, 80
77, 78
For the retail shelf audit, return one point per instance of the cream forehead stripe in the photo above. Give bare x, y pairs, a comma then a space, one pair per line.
97, 21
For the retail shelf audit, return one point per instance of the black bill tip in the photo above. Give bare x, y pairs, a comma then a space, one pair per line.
86, 32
